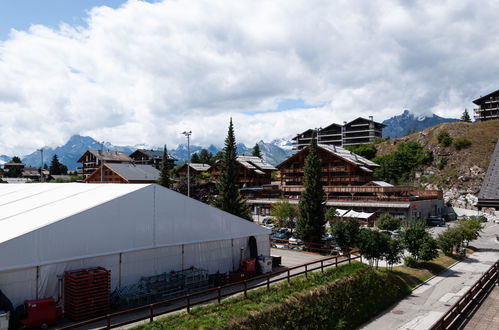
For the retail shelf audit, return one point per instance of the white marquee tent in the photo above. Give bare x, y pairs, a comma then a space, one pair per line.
132, 229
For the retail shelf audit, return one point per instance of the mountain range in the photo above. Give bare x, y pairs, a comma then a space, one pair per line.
273, 152
407, 123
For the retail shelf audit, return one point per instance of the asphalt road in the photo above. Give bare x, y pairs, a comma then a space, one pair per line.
431, 300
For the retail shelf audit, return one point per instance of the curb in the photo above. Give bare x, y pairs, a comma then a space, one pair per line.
420, 284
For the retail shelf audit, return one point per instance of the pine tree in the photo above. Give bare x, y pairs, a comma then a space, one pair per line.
466, 116
195, 158
164, 171
205, 157
55, 166
229, 199
256, 151
310, 224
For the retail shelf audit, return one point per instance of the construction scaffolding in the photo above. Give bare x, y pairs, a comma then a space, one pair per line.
161, 287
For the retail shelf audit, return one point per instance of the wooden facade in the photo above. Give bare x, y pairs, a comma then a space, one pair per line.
336, 170
93, 159
123, 173
151, 157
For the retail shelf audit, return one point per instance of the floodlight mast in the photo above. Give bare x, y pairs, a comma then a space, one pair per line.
188, 135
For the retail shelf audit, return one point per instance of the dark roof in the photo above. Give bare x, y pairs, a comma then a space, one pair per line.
364, 119
479, 100
135, 172
152, 153
108, 156
490, 185
308, 131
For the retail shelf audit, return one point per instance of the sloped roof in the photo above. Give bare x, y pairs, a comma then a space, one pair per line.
108, 156
135, 172
382, 183
200, 166
357, 215
483, 98
348, 155
27, 207
158, 154
253, 161
53, 222
490, 185
364, 119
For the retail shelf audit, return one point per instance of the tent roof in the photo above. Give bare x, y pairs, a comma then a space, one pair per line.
44, 223
27, 207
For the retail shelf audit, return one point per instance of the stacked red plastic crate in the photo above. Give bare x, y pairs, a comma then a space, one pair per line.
87, 293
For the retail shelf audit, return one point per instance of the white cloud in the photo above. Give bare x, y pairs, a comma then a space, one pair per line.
147, 71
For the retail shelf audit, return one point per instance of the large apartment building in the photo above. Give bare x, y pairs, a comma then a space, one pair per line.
488, 107
358, 131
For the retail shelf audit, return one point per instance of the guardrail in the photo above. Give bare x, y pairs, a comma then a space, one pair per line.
454, 316
149, 312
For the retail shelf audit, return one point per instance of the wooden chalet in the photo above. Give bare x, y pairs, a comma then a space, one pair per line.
194, 170
93, 159
340, 167
124, 173
488, 107
252, 171
151, 157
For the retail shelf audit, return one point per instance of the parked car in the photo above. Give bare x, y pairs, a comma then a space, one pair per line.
435, 221
451, 216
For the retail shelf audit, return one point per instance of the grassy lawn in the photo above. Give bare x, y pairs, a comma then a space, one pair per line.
415, 276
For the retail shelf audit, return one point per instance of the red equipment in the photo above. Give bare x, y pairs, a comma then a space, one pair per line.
41, 313
249, 266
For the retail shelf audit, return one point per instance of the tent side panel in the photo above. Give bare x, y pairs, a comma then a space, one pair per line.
213, 256
19, 285
135, 265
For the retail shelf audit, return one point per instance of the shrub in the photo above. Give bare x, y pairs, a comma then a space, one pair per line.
441, 163
388, 222
410, 262
444, 139
462, 143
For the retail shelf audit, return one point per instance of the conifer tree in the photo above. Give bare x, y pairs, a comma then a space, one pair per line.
55, 166
195, 158
229, 198
164, 170
256, 151
310, 223
466, 116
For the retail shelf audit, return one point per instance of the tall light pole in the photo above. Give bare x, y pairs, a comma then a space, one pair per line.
41, 166
188, 134
102, 159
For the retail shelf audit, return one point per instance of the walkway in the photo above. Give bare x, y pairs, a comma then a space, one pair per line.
426, 304
487, 316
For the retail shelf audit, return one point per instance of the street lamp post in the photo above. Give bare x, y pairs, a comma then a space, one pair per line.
102, 158
41, 166
188, 134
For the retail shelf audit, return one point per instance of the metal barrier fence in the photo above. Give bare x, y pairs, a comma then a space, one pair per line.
454, 317
216, 294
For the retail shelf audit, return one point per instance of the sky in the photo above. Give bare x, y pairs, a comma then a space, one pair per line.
133, 72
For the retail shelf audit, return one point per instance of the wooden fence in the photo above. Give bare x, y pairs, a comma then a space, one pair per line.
149, 312
472, 298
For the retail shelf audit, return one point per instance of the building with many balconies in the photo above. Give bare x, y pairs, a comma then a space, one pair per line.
358, 131
488, 107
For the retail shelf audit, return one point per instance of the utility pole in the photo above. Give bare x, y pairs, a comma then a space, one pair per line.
188, 134
101, 161
41, 166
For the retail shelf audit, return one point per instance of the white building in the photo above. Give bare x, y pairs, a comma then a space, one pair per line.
133, 230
